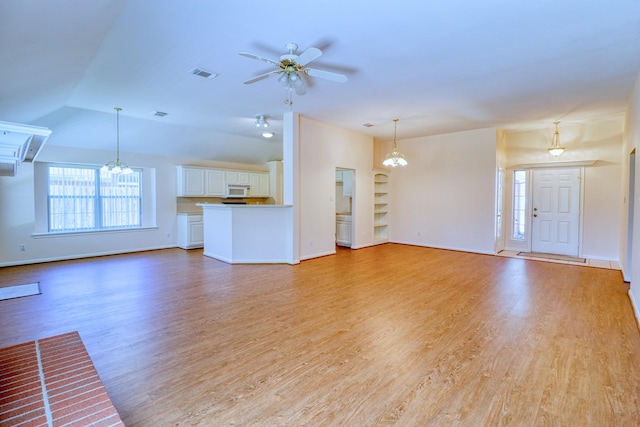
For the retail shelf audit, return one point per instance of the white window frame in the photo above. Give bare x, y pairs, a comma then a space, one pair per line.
41, 211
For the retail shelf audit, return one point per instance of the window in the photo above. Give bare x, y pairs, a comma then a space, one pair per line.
83, 198
519, 204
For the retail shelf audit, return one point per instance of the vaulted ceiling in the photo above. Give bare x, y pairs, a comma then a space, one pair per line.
437, 66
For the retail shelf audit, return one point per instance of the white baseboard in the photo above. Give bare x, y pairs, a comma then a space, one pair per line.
317, 255
80, 256
249, 260
448, 248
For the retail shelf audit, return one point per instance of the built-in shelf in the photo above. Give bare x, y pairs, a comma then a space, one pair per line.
380, 207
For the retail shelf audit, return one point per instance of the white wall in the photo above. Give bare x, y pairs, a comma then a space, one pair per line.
445, 196
631, 142
323, 148
17, 215
599, 140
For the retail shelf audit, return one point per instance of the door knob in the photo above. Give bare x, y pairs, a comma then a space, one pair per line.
535, 215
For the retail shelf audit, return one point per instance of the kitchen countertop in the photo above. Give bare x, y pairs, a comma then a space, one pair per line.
220, 206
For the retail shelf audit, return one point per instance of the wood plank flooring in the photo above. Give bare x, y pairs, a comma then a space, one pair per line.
388, 335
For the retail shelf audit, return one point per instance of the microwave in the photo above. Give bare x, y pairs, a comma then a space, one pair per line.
238, 191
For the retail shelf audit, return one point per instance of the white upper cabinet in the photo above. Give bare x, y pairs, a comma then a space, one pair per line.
347, 183
215, 180
190, 182
196, 181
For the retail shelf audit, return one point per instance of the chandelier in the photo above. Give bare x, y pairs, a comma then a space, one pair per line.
117, 167
556, 149
395, 157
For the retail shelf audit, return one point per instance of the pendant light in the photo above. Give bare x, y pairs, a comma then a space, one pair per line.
395, 157
117, 167
556, 149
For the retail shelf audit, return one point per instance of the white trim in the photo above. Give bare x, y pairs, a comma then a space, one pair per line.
573, 164
634, 305
89, 255
448, 248
317, 255
84, 233
250, 261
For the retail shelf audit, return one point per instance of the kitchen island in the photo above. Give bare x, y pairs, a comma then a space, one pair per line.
248, 234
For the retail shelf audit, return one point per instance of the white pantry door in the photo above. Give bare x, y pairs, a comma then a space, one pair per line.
555, 227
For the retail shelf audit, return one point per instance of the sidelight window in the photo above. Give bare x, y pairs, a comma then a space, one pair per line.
519, 204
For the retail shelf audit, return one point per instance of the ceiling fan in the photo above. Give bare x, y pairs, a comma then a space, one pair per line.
292, 67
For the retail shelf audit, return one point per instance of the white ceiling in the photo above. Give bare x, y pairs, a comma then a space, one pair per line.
437, 66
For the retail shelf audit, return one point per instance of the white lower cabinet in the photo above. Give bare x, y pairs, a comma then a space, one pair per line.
343, 230
190, 231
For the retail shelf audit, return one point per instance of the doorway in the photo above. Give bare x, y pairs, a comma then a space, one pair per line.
344, 201
631, 198
555, 226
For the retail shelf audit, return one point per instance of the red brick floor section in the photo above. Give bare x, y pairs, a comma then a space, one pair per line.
52, 382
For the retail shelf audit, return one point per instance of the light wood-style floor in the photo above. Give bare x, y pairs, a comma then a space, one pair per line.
388, 335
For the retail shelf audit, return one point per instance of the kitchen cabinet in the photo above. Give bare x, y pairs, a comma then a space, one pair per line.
194, 181
343, 230
238, 177
190, 181
190, 231
347, 183
259, 182
200, 182
215, 183
380, 207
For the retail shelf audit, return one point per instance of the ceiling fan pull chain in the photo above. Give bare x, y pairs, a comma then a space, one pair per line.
288, 99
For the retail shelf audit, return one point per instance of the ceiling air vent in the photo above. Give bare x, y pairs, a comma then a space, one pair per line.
203, 73
159, 113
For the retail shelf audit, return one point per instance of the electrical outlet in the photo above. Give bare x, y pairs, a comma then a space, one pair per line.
419, 234
23, 247
310, 242
168, 235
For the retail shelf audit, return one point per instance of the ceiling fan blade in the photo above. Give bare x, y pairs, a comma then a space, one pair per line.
308, 56
340, 78
259, 58
262, 77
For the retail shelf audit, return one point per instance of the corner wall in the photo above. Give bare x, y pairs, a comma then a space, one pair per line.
445, 196
631, 142
323, 148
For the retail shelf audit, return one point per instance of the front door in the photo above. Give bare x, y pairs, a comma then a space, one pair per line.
555, 227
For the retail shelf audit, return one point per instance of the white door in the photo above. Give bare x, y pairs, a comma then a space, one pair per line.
555, 227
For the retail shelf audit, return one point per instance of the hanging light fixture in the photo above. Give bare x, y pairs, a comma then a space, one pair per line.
261, 121
395, 157
117, 167
556, 149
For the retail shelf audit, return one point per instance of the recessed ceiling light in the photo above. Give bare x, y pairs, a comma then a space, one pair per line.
267, 134
203, 73
367, 125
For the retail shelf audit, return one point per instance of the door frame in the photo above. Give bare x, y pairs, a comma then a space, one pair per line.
580, 203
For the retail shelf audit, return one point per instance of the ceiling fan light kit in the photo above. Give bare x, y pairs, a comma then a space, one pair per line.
261, 121
395, 158
291, 70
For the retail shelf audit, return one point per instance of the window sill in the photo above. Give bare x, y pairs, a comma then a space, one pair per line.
89, 232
